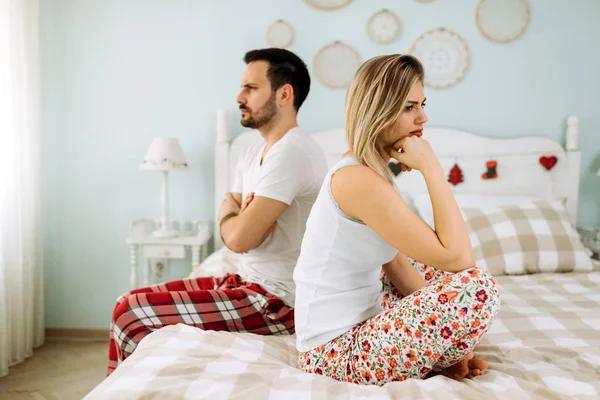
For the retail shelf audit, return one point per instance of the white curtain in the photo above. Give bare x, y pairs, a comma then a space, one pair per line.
21, 285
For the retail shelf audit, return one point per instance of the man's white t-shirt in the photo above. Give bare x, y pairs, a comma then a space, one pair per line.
292, 172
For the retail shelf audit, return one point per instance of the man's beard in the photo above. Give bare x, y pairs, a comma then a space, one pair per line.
263, 115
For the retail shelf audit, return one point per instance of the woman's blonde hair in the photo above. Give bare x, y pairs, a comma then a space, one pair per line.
376, 97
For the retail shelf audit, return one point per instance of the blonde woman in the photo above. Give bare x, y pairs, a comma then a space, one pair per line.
430, 315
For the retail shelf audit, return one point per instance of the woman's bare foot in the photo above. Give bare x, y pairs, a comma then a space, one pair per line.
476, 367
468, 367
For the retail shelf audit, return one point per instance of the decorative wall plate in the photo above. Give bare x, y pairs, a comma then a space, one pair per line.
280, 34
445, 57
327, 4
335, 64
383, 27
502, 20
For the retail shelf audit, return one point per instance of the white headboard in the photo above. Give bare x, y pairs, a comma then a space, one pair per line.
519, 170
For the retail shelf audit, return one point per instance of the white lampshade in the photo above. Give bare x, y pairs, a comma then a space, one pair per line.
598, 173
164, 154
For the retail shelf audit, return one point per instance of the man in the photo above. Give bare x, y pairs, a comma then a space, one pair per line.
279, 180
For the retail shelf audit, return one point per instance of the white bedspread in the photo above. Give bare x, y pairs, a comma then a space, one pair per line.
545, 344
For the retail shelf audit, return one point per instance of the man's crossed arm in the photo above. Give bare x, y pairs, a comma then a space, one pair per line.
245, 226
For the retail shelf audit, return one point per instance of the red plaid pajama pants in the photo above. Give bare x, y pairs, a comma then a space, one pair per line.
218, 304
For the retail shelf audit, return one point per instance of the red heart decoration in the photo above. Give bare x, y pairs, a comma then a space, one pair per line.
548, 162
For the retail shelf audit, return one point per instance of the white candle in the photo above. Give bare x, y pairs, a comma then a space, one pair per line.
222, 125
572, 133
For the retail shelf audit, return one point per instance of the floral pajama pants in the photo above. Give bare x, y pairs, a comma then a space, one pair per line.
431, 329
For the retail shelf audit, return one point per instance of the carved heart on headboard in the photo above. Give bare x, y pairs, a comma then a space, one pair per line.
395, 168
548, 162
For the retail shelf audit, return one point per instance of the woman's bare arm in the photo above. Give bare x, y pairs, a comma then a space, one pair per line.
403, 275
364, 195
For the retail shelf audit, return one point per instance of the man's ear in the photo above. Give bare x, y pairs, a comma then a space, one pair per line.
286, 95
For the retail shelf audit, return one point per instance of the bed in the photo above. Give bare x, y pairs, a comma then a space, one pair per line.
544, 344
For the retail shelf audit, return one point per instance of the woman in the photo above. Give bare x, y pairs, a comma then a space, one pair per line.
430, 318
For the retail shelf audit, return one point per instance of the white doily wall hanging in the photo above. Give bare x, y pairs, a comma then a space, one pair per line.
502, 20
335, 65
280, 34
383, 27
327, 5
444, 55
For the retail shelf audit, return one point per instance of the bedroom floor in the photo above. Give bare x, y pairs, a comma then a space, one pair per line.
59, 370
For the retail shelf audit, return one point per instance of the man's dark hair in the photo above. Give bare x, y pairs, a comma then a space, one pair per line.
284, 67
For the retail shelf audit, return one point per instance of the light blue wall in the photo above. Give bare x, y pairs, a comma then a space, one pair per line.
117, 73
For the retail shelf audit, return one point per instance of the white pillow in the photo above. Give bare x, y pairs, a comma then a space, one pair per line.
422, 203
218, 264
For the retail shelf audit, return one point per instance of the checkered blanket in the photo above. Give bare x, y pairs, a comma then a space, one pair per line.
545, 344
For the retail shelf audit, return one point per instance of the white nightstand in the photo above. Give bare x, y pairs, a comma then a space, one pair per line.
194, 235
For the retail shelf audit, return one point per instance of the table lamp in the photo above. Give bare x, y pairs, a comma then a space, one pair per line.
164, 154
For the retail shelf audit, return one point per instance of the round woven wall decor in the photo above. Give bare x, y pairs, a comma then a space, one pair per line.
335, 64
445, 57
502, 20
280, 34
327, 5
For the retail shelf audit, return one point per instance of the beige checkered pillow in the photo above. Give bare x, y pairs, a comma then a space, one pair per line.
527, 238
